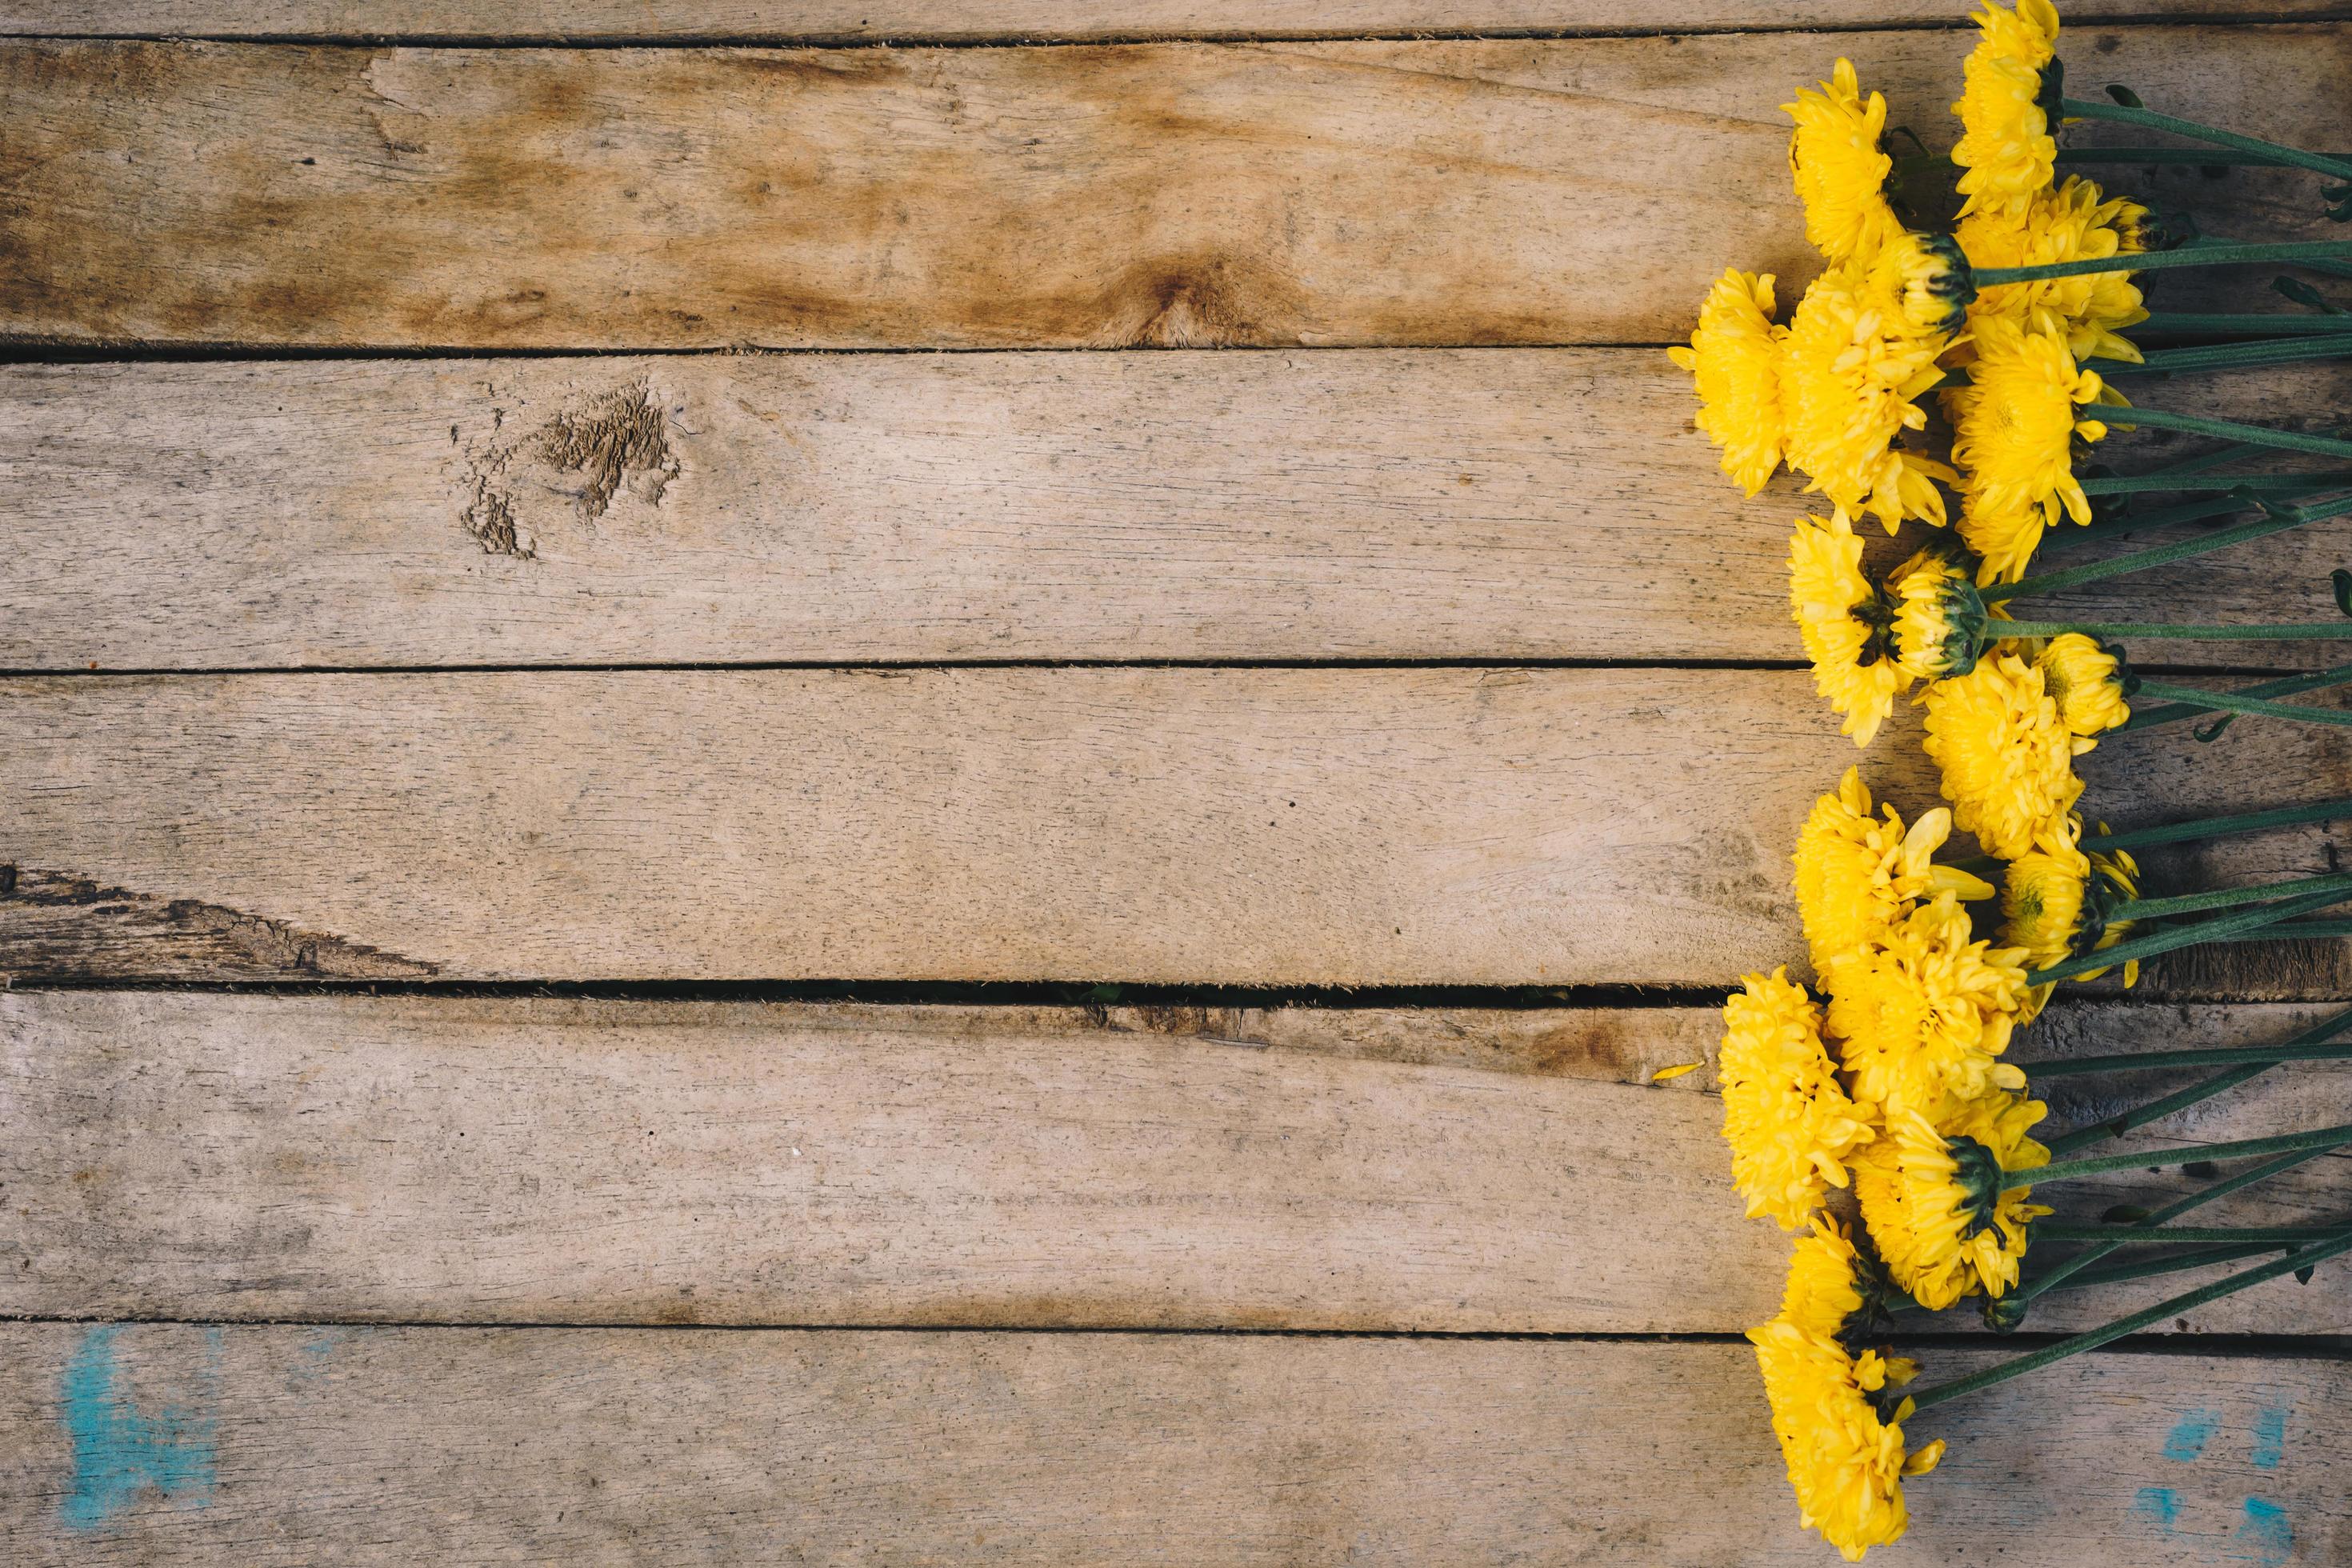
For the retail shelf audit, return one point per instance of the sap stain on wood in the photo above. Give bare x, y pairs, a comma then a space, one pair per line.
58, 923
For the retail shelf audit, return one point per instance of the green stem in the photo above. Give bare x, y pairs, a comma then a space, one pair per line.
2165, 260
2197, 156
2302, 1257
2148, 119
2189, 1154
2277, 631
2183, 1234
2173, 1210
2148, 1263
2228, 430
2296, 931
2209, 1056
2221, 826
2231, 898
2225, 356
2302, 712
2158, 555
2255, 324
2174, 937
2142, 484
2286, 685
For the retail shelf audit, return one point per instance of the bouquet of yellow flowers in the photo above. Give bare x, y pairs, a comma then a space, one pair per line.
1876, 1112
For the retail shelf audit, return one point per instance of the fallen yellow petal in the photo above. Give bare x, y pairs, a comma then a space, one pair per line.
1664, 1073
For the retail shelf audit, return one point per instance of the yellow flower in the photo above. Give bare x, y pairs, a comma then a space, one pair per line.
1939, 620
2043, 897
1825, 1287
1840, 172
1857, 876
1924, 284
2007, 759
1937, 1202
1790, 1125
1734, 357
1851, 374
2005, 151
2003, 539
2013, 429
2074, 223
1926, 1012
1843, 623
1846, 1463
2087, 681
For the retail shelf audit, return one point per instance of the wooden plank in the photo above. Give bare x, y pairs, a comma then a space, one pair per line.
387, 1445
1352, 826
978, 20
428, 1160
1539, 503
1480, 192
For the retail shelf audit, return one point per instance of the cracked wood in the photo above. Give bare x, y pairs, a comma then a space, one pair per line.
395, 1446
412, 1158
1526, 503
1313, 826
1429, 193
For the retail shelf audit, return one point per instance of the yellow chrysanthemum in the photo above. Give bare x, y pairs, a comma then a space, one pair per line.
1790, 1125
2087, 680
1843, 625
1851, 374
1939, 619
2006, 151
1839, 169
2074, 223
1735, 358
1936, 1202
1825, 1288
1846, 1463
1858, 876
2006, 757
2003, 539
2059, 903
2013, 430
1924, 284
1925, 1013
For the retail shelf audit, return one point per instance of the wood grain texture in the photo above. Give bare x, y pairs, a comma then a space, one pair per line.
1352, 826
974, 20
341, 1159
1538, 503
385, 1445
1439, 192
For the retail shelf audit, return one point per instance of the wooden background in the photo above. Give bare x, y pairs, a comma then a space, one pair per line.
649, 920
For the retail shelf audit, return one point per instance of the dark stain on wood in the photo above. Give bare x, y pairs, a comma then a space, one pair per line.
57, 925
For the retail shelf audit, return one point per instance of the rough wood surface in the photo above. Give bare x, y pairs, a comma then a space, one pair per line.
1348, 826
1441, 192
284, 1446
348, 1158
1538, 503
995, 19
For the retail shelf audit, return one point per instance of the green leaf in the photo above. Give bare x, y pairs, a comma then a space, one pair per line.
2125, 96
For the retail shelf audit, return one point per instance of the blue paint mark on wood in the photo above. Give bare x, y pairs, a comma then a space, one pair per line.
2190, 1434
2269, 1438
2158, 1506
117, 1451
2266, 1534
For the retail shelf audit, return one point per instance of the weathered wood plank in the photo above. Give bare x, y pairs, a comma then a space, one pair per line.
975, 20
1352, 826
1486, 191
1540, 503
391, 1445
406, 1159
